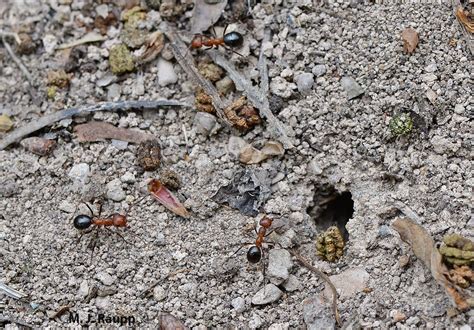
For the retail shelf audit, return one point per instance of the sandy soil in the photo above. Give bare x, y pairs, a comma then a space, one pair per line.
339, 144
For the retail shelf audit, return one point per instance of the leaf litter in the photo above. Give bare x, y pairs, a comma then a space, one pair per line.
99, 131
424, 249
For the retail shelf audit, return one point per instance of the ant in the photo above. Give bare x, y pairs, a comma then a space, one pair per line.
255, 252
83, 222
228, 40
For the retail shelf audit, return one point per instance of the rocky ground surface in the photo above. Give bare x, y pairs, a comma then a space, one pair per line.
342, 142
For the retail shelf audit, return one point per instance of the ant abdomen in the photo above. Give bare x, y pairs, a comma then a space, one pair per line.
82, 221
254, 254
233, 39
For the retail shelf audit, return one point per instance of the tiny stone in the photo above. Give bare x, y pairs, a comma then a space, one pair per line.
102, 303
160, 239
319, 70
120, 145
256, 322
270, 293
49, 43
115, 191
102, 10
238, 304
79, 172
384, 231
431, 68
279, 326
83, 289
317, 315
67, 207
348, 283
159, 293
225, 85
459, 109
128, 177
166, 73
314, 168
403, 261
304, 82
105, 278
291, 284
235, 145
113, 92
352, 88
205, 122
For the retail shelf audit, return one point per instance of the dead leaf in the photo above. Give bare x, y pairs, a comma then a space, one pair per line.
169, 322
410, 40
153, 47
465, 20
424, 249
98, 131
166, 198
462, 276
251, 155
205, 15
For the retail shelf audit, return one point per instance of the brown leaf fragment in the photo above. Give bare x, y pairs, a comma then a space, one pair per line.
169, 322
464, 18
424, 249
166, 198
153, 46
38, 146
98, 131
251, 155
203, 102
410, 40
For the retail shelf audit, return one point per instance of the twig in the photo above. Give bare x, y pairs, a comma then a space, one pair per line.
12, 293
259, 98
47, 120
325, 278
147, 291
10, 35
181, 53
22, 67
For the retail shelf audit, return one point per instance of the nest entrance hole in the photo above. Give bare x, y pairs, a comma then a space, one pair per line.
332, 208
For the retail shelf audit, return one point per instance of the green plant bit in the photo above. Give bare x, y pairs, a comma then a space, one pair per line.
401, 124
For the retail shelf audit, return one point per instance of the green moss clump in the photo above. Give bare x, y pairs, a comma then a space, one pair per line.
330, 244
401, 124
121, 60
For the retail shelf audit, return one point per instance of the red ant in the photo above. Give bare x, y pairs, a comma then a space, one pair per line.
83, 222
255, 252
228, 40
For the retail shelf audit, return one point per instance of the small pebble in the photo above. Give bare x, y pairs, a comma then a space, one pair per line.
292, 283
128, 178
159, 293
317, 315
166, 73
49, 43
102, 10
235, 145
279, 264
267, 295
115, 191
83, 289
238, 304
5, 123
352, 88
38, 146
319, 70
105, 278
120, 145
79, 172
304, 82
225, 85
67, 206
256, 322
205, 122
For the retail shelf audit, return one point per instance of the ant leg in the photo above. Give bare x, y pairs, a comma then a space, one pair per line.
100, 209
271, 231
115, 232
82, 234
214, 31
225, 29
94, 243
92, 213
233, 51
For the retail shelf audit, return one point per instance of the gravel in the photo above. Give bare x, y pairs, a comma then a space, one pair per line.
340, 143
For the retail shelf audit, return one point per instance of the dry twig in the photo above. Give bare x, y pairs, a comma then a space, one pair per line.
47, 120
182, 55
326, 278
147, 291
258, 97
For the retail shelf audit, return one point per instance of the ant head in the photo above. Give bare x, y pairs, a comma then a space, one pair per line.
82, 221
119, 220
233, 39
254, 254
